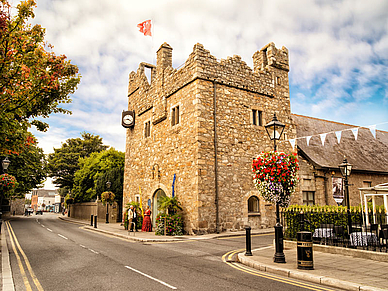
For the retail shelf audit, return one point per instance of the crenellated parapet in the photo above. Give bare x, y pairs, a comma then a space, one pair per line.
270, 66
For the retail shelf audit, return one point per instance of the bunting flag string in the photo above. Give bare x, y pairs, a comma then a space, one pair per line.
372, 128
338, 134
355, 132
292, 142
323, 137
308, 139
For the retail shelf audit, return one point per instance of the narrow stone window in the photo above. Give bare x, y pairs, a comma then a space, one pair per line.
253, 204
278, 81
147, 129
366, 184
308, 197
257, 117
175, 116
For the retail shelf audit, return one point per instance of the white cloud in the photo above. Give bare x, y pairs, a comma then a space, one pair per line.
338, 50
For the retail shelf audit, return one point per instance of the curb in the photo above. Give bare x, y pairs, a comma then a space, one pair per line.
177, 238
322, 280
6, 271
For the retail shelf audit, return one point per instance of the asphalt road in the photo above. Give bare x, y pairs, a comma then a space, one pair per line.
58, 255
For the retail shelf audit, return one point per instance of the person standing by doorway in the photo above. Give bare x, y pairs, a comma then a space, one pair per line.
132, 216
147, 225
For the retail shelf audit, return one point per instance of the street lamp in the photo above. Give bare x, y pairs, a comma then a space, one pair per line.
346, 168
5, 163
275, 130
107, 204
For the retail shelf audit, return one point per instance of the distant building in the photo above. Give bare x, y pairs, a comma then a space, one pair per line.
43, 198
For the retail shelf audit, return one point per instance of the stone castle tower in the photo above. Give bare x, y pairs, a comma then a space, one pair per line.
203, 125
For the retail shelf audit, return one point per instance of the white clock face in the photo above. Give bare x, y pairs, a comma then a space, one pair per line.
128, 119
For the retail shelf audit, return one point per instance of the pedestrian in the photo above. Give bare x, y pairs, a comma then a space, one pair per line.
132, 217
147, 225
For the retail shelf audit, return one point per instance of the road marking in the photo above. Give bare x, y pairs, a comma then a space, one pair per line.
22, 271
93, 251
152, 278
228, 256
49, 229
62, 236
82, 246
42, 225
27, 262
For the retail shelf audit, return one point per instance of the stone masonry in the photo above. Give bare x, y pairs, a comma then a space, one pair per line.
197, 122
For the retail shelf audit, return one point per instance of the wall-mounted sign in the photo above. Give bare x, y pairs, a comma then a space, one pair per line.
128, 119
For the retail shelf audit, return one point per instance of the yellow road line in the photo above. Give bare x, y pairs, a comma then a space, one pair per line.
27, 262
267, 276
24, 276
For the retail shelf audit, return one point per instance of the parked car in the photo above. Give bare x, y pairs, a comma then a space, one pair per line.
39, 211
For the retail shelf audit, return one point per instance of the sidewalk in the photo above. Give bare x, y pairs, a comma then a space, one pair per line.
118, 230
335, 270
340, 271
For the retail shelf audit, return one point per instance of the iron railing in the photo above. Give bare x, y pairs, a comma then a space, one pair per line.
331, 228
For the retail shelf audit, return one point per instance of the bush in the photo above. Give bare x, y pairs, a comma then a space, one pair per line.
174, 224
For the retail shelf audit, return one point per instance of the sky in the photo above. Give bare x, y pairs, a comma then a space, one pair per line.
338, 53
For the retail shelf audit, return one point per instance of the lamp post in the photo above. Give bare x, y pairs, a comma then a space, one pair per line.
5, 163
275, 130
346, 168
107, 204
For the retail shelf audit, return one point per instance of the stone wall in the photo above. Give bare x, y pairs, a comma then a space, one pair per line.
188, 148
17, 206
84, 211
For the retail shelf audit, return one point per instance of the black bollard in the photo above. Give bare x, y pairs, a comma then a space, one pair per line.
91, 220
248, 241
301, 220
95, 221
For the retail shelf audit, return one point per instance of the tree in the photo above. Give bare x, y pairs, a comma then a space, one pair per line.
169, 205
63, 163
95, 170
34, 81
28, 167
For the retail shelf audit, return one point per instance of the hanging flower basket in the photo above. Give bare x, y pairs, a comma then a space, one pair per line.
7, 182
275, 176
107, 197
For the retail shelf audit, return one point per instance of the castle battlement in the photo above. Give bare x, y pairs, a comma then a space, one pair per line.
270, 70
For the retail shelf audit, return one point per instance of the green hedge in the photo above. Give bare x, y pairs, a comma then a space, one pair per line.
316, 216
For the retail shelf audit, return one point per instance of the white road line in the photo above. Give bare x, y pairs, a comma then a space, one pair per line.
62, 236
42, 225
263, 248
93, 251
49, 229
152, 278
82, 246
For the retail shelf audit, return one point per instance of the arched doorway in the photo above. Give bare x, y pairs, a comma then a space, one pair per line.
158, 193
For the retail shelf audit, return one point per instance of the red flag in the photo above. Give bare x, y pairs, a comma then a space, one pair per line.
145, 27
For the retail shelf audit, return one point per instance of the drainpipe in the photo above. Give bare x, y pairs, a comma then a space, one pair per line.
215, 155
